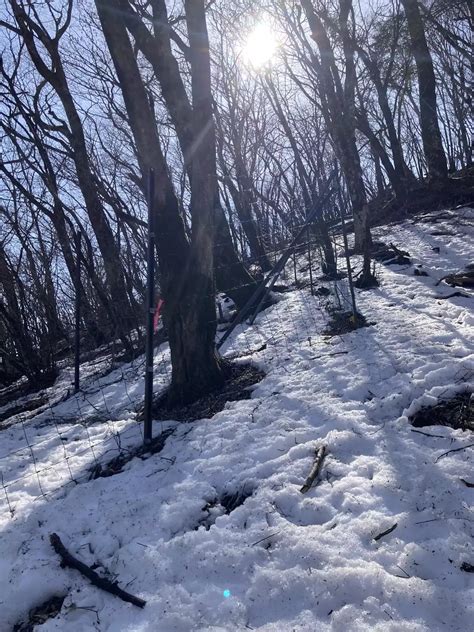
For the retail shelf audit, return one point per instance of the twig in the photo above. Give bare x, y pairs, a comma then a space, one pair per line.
464, 447
403, 571
234, 356
429, 435
381, 535
101, 582
329, 355
318, 461
266, 538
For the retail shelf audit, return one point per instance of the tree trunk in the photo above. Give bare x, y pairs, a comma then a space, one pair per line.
430, 132
350, 163
186, 269
231, 275
402, 171
338, 110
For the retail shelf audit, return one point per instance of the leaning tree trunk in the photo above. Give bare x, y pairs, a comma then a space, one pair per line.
430, 132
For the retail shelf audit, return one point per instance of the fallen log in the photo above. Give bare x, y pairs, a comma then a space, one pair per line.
101, 582
318, 461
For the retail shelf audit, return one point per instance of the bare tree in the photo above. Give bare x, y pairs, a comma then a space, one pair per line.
430, 132
38, 41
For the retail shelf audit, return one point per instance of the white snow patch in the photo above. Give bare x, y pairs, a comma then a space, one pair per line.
281, 560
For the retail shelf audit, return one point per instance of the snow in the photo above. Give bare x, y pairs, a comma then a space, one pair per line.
281, 560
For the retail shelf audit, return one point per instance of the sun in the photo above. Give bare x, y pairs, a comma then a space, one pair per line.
260, 46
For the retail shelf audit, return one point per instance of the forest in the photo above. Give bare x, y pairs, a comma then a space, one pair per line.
242, 138
210, 205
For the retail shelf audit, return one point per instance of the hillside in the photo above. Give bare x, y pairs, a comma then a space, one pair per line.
212, 530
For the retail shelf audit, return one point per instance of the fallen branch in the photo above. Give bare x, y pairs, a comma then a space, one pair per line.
460, 294
427, 434
101, 582
234, 356
466, 483
318, 461
464, 447
400, 253
381, 535
328, 355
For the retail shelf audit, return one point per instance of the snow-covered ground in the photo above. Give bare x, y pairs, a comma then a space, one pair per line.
281, 561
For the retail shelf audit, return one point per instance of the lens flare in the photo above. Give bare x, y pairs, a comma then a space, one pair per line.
260, 46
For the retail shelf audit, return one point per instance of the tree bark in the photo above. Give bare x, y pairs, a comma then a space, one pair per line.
402, 175
430, 132
338, 110
186, 268
231, 275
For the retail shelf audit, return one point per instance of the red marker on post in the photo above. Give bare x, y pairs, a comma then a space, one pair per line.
156, 318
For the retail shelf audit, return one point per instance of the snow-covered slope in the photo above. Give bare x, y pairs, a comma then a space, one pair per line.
281, 561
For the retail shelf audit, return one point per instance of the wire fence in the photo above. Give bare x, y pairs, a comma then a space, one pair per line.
70, 437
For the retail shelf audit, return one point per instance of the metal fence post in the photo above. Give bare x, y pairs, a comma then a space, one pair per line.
310, 260
77, 315
349, 267
150, 309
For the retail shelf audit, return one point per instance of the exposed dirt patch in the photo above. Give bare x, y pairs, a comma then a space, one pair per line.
366, 282
435, 196
116, 465
232, 500
457, 413
240, 379
322, 291
463, 278
390, 255
39, 615
344, 322
419, 272
223, 505
25, 407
